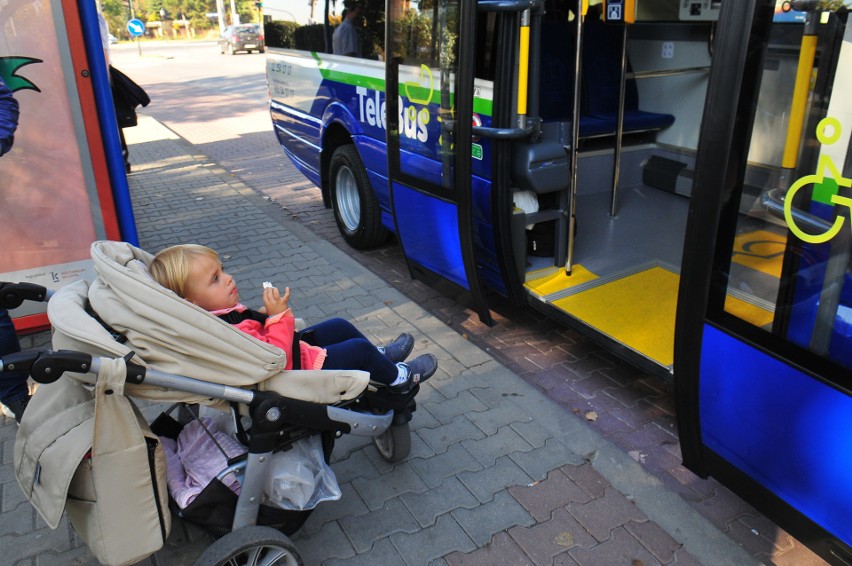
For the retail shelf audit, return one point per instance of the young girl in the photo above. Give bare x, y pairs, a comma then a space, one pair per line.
195, 273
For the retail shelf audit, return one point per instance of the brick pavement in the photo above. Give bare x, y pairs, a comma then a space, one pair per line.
498, 472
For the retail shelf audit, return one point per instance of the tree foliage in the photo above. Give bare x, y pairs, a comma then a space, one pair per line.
117, 13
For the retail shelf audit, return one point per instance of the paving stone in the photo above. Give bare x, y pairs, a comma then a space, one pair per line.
655, 539
382, 552
354, 465
501, 551
547, 539
505, 442
588, 478
440, 438
485, 521
485, 483
620, 548
450, 495
544, 497
444, 537
329, 542
463, 403
433, 470
349, 504
376, 491
364, 530
532, 432
538, 462
491, 420
602, 515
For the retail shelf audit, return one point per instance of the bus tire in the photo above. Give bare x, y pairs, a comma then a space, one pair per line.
356, 209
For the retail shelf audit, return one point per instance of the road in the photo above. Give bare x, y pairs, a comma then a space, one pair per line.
219, 104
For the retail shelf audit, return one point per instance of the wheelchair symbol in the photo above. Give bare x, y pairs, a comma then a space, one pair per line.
828, 132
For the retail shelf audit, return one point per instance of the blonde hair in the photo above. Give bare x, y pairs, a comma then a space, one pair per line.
171, 267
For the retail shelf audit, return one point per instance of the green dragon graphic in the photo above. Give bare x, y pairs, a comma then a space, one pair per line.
9, 67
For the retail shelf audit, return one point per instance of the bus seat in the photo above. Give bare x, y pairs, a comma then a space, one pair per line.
557, 72
602, 78
601, 81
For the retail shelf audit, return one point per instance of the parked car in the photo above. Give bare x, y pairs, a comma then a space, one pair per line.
243, 37
112, 39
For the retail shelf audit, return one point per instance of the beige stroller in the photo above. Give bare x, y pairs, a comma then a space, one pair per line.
84, 448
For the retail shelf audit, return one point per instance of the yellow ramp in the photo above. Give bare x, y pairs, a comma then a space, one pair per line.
558, 281
637, 310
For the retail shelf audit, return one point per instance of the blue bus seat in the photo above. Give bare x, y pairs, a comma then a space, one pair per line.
600, 85
602, 78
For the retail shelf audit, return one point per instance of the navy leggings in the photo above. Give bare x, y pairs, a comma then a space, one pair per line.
13, 384
347, 348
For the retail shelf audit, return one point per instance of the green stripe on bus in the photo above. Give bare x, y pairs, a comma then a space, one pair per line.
480, 105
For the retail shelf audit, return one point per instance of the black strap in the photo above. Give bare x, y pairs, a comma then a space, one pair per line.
297, 351
118, 337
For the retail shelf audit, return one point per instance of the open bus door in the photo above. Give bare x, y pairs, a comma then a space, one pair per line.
763, 351
429, 142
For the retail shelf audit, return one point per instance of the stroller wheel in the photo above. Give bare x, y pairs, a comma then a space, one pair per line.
394, 444
250, 546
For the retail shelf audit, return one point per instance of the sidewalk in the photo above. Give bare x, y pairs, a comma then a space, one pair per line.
498, 474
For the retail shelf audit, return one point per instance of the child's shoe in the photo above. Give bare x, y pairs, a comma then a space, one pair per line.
416, 372
399, 349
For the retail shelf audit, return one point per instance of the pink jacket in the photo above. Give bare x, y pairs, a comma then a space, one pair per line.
278, 330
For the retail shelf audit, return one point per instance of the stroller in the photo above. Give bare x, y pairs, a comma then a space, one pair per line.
84, 448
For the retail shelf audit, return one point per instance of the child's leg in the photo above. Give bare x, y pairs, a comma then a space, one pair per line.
359, 353
331, 331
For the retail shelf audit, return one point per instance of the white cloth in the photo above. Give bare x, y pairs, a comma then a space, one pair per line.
195, 459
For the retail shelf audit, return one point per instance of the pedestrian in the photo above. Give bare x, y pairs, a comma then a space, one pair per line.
346, 40
126, 96
195, 273
14, 392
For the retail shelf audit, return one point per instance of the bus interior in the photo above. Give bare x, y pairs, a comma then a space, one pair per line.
616, 272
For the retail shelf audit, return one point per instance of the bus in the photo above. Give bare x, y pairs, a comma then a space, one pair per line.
669, 177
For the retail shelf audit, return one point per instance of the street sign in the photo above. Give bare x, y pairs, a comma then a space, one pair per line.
135, 27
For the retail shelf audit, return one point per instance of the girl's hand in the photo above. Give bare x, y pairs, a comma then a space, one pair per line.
274, 301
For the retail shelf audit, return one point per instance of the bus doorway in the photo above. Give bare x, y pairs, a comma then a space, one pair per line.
600, 249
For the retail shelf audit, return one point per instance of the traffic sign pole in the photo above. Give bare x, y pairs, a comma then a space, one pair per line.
135, 27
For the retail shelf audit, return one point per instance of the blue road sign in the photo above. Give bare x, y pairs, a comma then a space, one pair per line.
135, 27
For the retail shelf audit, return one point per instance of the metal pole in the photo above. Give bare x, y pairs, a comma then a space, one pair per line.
619, 130
575, 137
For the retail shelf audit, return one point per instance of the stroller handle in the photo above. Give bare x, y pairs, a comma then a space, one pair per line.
12, 295
274, 409
48, 366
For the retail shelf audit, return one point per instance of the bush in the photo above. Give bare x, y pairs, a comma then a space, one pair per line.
280, 34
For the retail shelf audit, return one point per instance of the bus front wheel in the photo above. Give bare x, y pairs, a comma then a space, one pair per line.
356, 209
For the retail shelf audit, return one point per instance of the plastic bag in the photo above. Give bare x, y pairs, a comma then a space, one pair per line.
299, 478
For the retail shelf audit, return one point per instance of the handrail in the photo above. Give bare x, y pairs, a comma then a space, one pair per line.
773, 202
667, 72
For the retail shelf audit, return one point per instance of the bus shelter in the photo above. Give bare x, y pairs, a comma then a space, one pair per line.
63, 184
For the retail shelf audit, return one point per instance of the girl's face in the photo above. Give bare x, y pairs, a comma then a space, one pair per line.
209, 287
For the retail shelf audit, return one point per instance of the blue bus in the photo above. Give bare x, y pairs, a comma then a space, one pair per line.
670, 178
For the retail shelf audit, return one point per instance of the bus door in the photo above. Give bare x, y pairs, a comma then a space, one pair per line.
763, 352
429, 146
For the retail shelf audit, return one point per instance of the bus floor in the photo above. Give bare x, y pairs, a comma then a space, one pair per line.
624, 281
625, 275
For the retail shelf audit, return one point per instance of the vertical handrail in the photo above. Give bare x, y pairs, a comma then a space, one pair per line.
619, 128
575, 135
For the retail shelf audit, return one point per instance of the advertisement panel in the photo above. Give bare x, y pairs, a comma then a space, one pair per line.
55, 188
